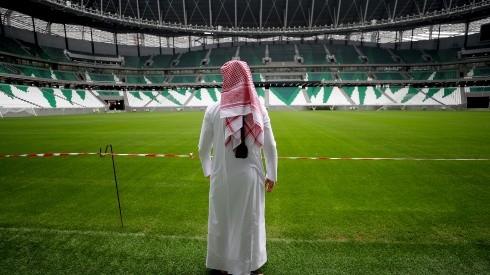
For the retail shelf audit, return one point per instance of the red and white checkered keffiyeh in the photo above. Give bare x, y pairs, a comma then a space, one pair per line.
238, 99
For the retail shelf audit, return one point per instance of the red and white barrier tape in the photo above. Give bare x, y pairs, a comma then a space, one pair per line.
191, 155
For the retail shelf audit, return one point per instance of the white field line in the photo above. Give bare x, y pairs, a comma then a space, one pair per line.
203, 238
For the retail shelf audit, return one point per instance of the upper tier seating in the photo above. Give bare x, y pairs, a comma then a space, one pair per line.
282, 53
253, 55
220, 56
13, 46
319, 76
54, 54
135, 61
191, 59
312, 53
162, 61
377, 55
353, 76
445, 55
183, 79
344, 54
94, 77
410, 56
389, 76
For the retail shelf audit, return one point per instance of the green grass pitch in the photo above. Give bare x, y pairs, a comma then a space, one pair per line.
60, 215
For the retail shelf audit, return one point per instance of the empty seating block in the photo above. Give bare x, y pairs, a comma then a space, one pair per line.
326, 96
220, 56
479, 89
445, 75
422, 75
164, 99
286, 96
136, 79
389, 76
135, 61
445, 55
145, 79
281, 53
319, 76
312, 53
210, 78
139, 99
183, 79
162, 61
353, 76
35, 72
191, 59
253, 55
203, 97
93, 77
344, 54
65, 75
410, 56
377, 55
8, 99
54, 54
481, 72
366, 95
155, 78
12, 46
17, 96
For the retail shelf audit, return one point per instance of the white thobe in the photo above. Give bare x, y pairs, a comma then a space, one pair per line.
236, 222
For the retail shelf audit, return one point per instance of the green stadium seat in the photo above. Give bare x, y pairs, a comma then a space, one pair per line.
312, 53
191, 59
253, 55
220, 56
286, 95
282, 53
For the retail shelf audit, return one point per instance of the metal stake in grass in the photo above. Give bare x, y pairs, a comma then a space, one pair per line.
115, 178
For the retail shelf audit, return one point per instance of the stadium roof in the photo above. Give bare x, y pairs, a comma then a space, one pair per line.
254, 18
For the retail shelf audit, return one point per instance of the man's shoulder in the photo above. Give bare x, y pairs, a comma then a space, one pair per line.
213, 108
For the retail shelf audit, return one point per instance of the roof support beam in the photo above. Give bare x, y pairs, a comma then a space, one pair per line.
159, 15
185, 12
311, 13
120, 9
423, 8
338, 14
101, 5
365, 12
394, 11
138, 9
286, 15
236, 16
210, 15
260, 17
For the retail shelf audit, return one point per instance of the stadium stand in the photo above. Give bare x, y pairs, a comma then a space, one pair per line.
135, 61
253, 55
344, 54
34, 97
53, 54
281, 53
192, 59
162, 61
410, 56
220, 56
312, 53
376, 55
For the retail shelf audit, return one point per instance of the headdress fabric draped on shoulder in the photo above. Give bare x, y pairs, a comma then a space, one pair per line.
238, 99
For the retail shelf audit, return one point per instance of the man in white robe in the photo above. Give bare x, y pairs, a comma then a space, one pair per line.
236, 223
